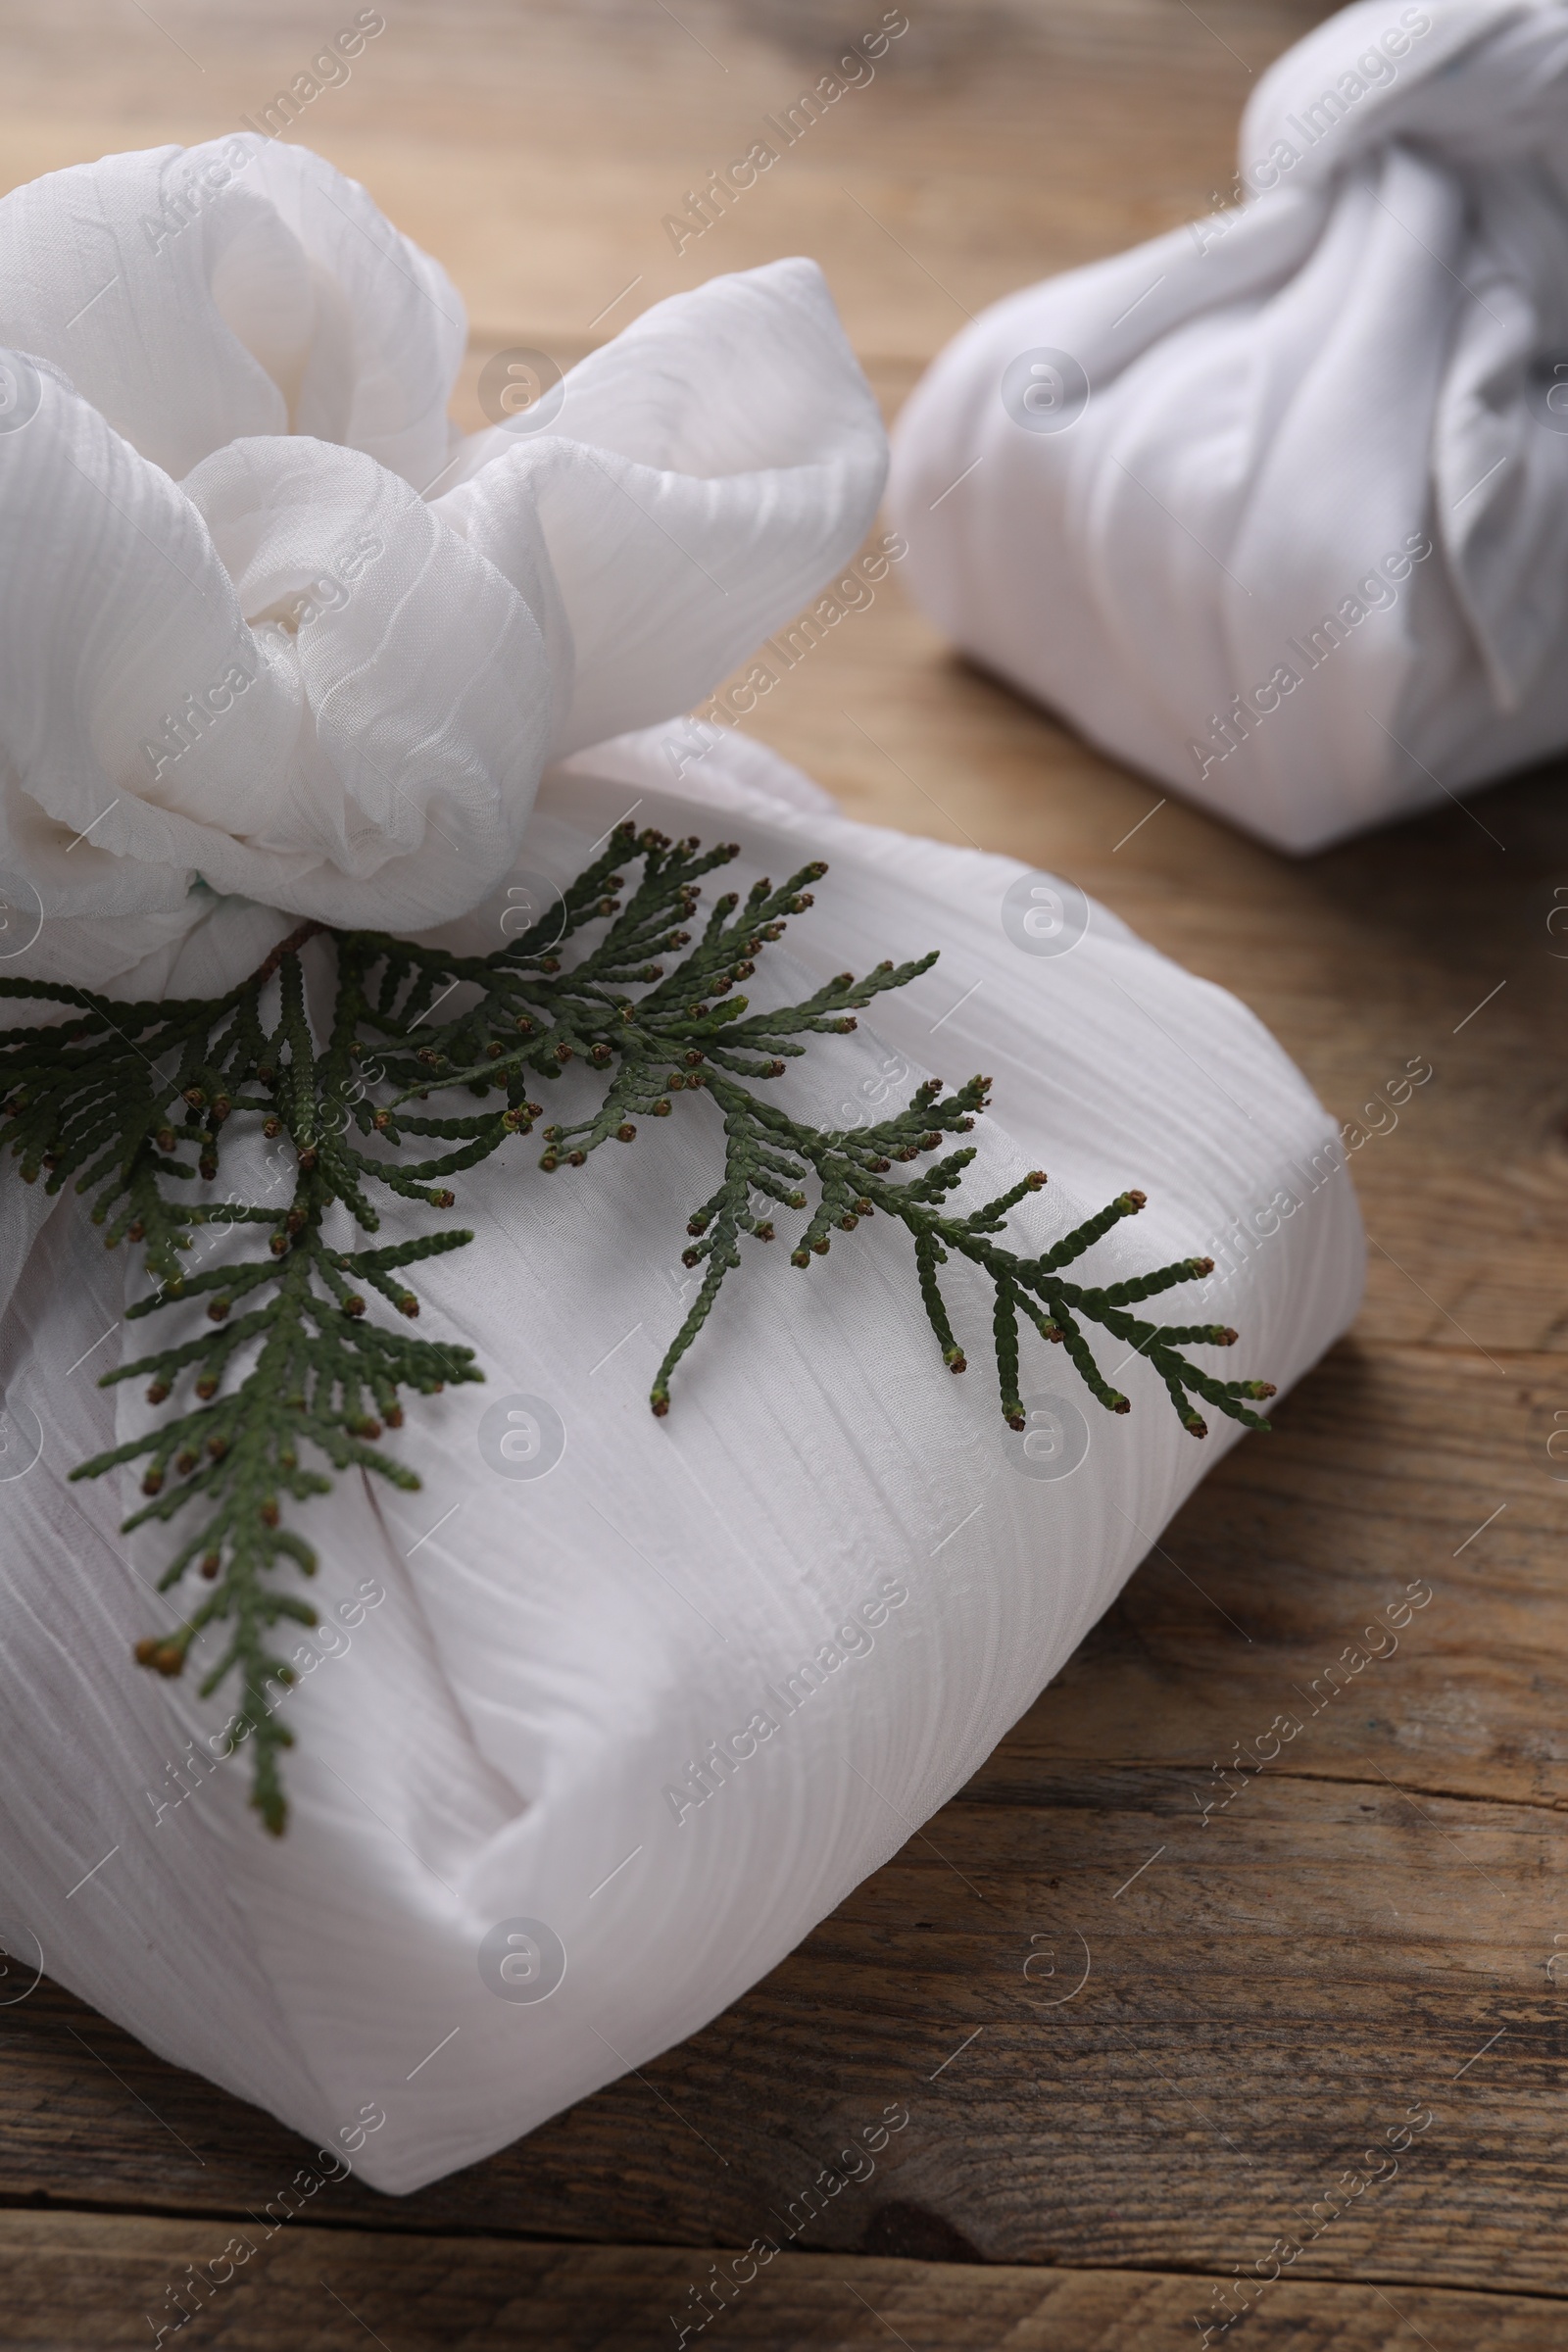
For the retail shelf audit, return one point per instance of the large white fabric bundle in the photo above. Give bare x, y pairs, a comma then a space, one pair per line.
597, 1726
553, 1657
1276, 505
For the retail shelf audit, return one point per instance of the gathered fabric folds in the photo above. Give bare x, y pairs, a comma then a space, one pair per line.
1275, 507
270, 629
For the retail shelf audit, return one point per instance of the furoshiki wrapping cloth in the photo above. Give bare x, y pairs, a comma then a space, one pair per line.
1275, 507
596, 1725
269, 622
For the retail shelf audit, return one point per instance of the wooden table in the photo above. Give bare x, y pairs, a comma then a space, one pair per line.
1370, 1927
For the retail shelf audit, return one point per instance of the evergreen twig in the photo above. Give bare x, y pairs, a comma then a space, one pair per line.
131, 1104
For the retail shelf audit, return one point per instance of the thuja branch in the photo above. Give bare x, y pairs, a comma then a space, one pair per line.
851, 1173
289, 1375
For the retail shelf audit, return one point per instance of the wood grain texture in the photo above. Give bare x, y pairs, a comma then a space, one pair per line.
319, 2291
1366, 1921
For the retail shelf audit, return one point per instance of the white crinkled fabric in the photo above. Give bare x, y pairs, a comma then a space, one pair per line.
266, 620
1276, 505
593, 1731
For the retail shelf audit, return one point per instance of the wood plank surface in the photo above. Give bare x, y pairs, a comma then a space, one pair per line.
1137, 2044
318, 2290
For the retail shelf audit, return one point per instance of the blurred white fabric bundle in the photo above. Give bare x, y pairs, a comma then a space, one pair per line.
268, 621
1275, 507
596, 1726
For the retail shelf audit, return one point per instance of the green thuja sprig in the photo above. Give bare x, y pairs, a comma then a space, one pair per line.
132, 1106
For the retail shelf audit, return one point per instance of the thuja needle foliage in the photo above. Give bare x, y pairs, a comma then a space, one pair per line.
136, 1106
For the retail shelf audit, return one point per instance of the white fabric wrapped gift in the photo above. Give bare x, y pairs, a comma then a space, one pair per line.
1275, 507
600, 1722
